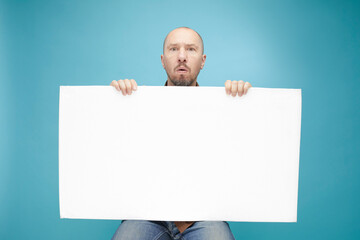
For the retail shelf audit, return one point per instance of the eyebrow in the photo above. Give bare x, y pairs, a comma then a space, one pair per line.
188, 45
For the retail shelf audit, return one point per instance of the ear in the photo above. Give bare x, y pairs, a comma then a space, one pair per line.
203, 61
162, 61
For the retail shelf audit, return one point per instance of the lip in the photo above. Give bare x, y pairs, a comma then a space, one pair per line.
182, 70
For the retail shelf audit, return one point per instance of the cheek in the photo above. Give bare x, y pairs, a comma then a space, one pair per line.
196, 63
168, 62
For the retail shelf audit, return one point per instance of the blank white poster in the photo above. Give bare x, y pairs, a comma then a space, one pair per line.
179, 154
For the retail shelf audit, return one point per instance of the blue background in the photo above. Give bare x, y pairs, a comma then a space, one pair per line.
313, 45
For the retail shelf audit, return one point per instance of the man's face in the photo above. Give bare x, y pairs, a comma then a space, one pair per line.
183, 57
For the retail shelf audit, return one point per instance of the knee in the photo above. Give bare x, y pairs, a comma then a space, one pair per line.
127, 230
212, 230
138, 230
222, 231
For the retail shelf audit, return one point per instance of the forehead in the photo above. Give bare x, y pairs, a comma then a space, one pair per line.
183, 36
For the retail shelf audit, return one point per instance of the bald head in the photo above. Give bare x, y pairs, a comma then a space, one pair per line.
178, 30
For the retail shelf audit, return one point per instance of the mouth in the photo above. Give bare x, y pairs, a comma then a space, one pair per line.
182, 70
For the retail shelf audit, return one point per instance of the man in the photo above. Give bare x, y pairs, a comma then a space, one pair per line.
183, 57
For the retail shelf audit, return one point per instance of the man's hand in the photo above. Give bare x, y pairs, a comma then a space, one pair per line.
125, 86
236, 87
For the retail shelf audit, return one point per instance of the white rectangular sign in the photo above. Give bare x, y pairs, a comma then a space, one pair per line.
179, 154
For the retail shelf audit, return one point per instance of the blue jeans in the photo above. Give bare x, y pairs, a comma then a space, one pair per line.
159, 230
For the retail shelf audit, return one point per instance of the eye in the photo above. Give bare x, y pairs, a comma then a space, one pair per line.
191, 49
173, 49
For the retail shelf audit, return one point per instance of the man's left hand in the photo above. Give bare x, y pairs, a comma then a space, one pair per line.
236, 87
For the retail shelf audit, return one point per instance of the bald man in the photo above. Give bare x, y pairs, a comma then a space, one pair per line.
183, 57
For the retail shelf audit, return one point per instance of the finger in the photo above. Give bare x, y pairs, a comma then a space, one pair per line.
240, 88
234, 86
228, 87
122, 87
115, 84
133, 84
246, 87
128, 86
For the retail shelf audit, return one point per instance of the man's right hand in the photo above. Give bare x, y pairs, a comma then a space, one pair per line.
126, 86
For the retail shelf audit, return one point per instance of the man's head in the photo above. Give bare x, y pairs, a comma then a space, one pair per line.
183, 56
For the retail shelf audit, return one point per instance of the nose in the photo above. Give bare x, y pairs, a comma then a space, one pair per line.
182, 55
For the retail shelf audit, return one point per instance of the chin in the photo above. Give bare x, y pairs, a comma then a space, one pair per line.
182, 82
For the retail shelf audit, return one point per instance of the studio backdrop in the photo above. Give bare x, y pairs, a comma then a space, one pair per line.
308, 45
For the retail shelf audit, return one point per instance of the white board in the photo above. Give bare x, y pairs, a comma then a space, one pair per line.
179, 154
